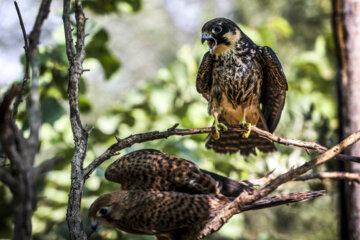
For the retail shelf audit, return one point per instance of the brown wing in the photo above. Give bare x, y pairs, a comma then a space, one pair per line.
273, 89
150, 169
204, 76
161, 212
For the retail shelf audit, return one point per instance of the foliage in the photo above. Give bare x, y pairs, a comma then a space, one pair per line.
170, 97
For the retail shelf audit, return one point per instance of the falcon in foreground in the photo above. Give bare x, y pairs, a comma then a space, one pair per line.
167, 196
243, 83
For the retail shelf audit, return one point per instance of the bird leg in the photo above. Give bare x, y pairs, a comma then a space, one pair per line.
216, 134
246, 124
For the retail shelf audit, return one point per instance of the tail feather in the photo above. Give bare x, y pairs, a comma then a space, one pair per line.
229, 187
231, 142
281, 199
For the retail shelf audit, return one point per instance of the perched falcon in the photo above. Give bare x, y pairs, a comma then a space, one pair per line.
166, 196
150, 169
243, 84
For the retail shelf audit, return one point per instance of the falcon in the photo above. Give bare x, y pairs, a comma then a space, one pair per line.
166, 196
243, 83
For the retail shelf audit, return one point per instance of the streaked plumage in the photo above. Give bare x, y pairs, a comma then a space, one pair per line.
150, 169
238, 77
166, 196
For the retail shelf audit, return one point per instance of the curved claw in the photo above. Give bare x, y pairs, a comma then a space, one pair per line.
216, 134
247, 133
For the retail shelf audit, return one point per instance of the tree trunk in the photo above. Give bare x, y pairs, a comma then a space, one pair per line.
23, 206
346, 22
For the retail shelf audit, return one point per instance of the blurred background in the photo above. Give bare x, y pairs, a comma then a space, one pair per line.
143, 58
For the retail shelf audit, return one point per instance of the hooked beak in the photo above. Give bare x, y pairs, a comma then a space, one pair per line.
211, 41
94, 225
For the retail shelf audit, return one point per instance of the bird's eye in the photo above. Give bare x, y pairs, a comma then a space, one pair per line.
217, 30
103, 210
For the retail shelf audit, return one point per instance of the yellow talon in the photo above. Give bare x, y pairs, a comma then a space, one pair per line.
216, 134
247, 125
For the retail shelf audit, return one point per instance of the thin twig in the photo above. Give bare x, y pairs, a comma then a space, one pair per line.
298, 143
330, 175
26, 78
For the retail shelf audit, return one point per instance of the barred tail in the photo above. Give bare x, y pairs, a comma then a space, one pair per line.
231, 142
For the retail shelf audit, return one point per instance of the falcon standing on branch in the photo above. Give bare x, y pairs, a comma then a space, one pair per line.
243, 84
167, 196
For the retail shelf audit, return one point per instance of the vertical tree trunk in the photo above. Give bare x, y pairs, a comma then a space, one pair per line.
23, 206
347, 35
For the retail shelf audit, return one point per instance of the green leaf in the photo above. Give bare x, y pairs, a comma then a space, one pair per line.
111, 6
51, 110
97, 48
84, 104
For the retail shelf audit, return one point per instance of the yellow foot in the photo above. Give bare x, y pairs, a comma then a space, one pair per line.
216, 134
248, 126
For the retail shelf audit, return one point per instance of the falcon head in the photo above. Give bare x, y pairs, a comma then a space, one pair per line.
103, 209
221, 35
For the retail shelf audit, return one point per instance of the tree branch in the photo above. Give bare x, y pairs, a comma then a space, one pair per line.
330, 175
7, 179
27, 69
298, 143
246, 198
73, 215
33, 101
149, 136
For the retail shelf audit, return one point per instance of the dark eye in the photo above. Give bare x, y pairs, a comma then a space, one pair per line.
217, 29
103, 210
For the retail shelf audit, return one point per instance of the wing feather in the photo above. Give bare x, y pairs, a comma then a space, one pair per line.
273, 89
204, 76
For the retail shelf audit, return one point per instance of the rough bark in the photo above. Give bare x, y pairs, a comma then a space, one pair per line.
346, 23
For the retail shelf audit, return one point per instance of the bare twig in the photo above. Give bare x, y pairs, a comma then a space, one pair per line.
298, 143
330, 175
27, 61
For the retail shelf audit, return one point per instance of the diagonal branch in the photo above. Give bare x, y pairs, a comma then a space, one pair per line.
298, 143
246, 198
